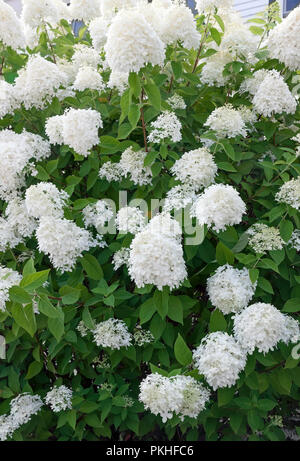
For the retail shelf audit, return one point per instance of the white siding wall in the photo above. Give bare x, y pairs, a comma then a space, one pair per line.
249, 8
16, 4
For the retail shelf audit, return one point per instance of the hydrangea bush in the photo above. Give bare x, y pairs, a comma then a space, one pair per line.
149, 229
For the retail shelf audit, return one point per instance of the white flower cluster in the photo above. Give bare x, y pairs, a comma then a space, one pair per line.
219, 206
294, 241
251, 84
16, 225
17, 152
118, 80
85, 56
176, 102
142, 337
289, 193
63, 241
262, 326
220, 359
84, 10
264, 238
132, 164
130, 219
22, 408
83, 330
38, 82
166, 126
8, 101
226, 122
210, 5
156, 254
88, 78
288, 31
195, 168
212, 71
273, 96
59, 398
8, 279
179, 197
112, 333
132, 43
11, 33
37, 13
98, 28
180, 395
78, 128
230, 289
44, 199
120, 258
97, 214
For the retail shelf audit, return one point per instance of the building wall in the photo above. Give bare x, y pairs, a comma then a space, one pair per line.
249, 8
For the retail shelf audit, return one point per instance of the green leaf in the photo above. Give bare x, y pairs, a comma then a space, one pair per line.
24, 316
292, 305
177, 69
153, 94
224, 254
56, 327
147, 309
175, 309
217, 321
183, 354
134, 115
265, 285
286, 230
47, 308
216, 35
135, 84
33, 369
18, 295
69, 295
225, 395
87, 318
92, 267
32, 281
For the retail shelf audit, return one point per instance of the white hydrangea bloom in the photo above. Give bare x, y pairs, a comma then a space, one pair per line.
98, 28
177, 24
38, 12
226, 122
112, 333
251, 84
8, 279
120, 258
7, 427
59, 398
261, 326
109, 8
44, 199
195, 168
83, 330
219, 206
156, 255
182, 395
288, 31
230, 289
167, 125
264, 238
212, 72
210, 5
16, 225
132, 164
77, 128
85, 55
290, 193
118, 80
11, 33
248, 115
110, 171
132, 43
88, 78
8, 102
294, 241
142, 337
273, 96
16, 153
84, 10
23, 407
97, 214
220, 359
130, 219
37, 83
68, 68
239, 41
179, 197
63, 241
176, 102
